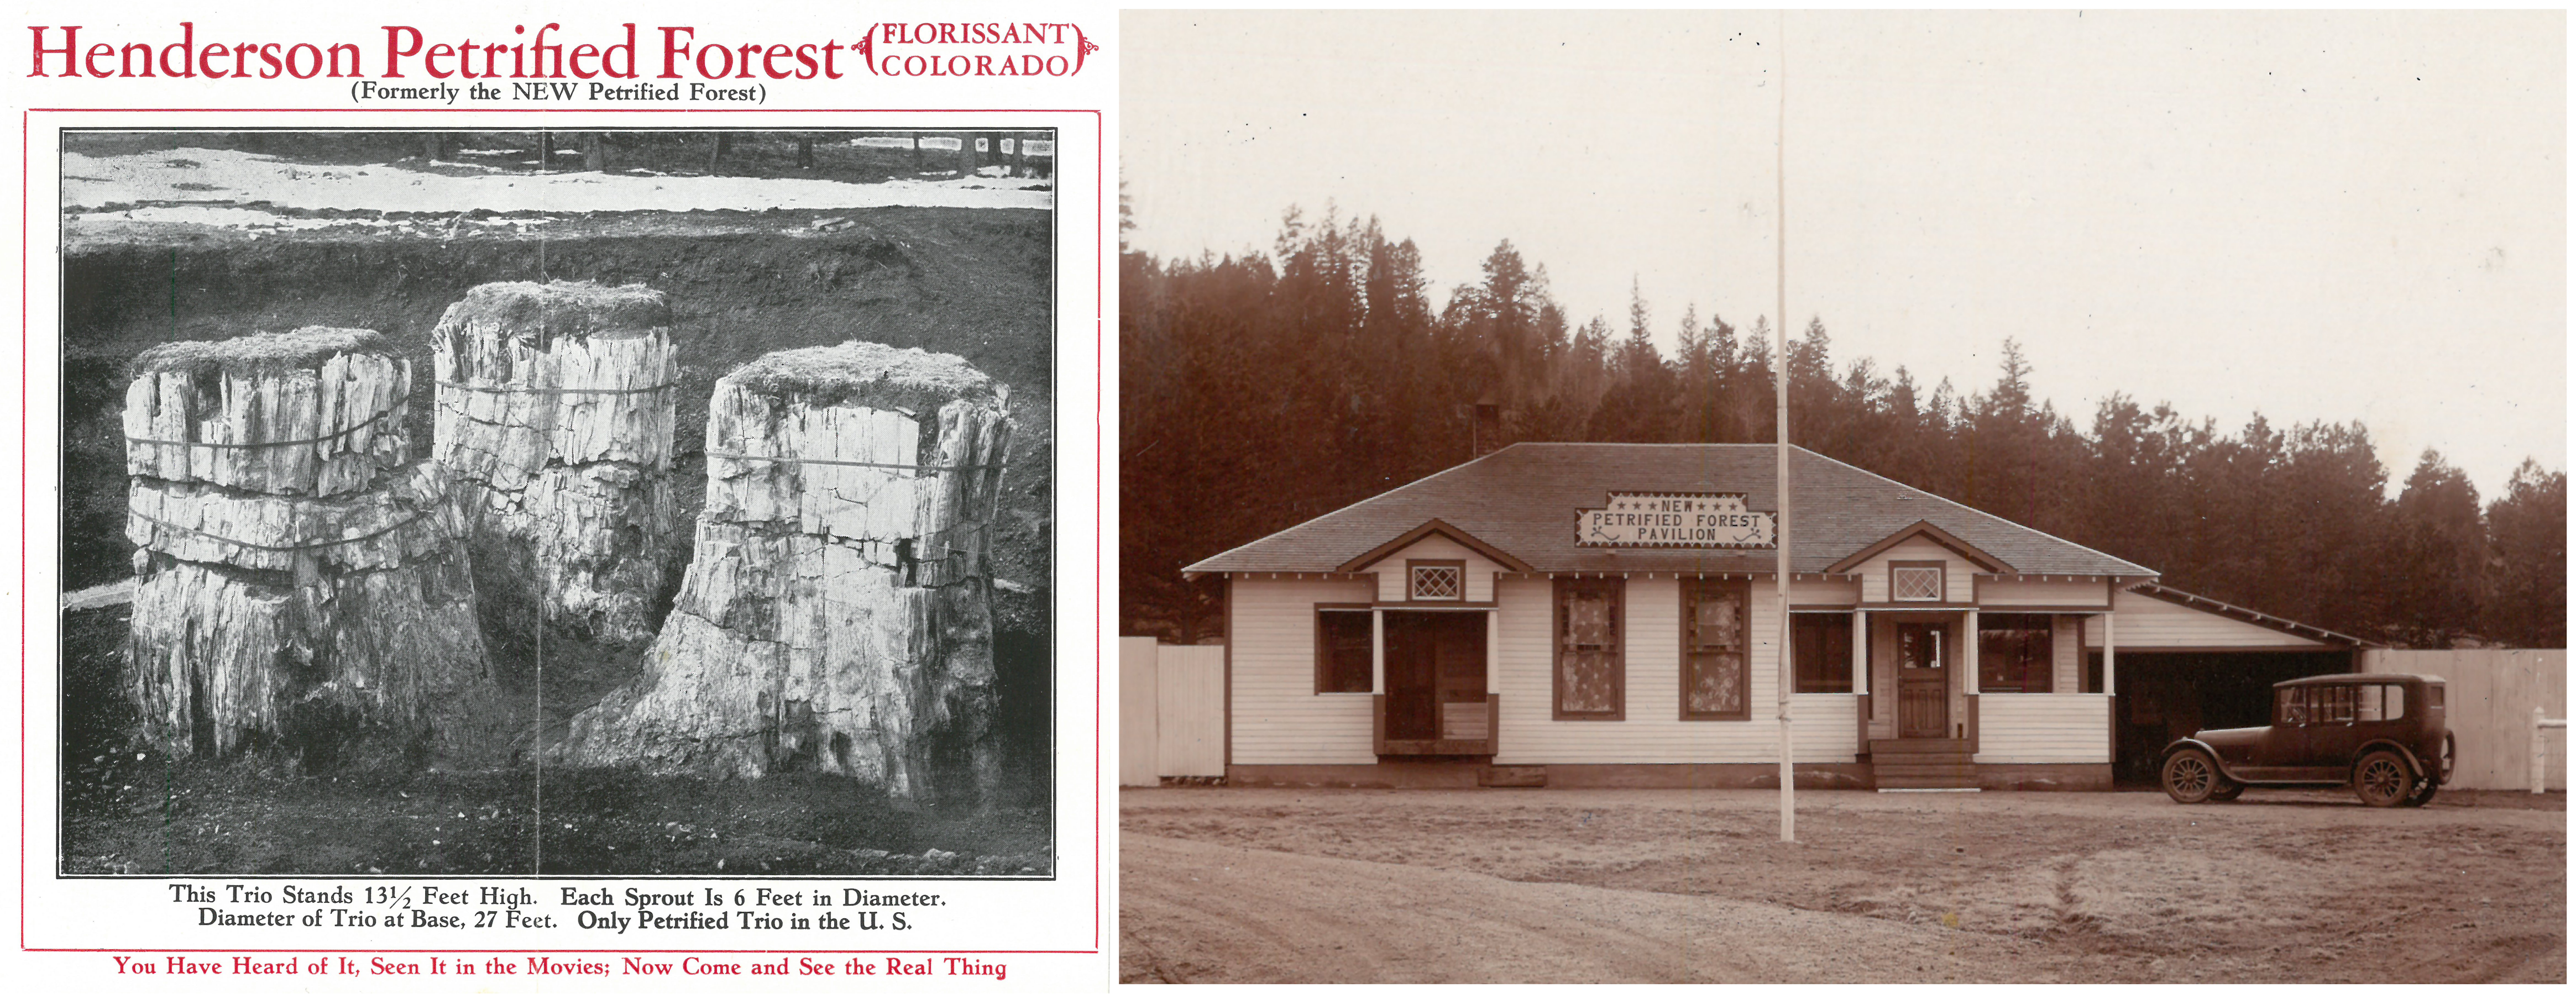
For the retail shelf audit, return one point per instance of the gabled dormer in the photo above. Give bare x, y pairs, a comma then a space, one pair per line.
1919, 565
1434, 564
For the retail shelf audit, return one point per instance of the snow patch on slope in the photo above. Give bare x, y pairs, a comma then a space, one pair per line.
211, 176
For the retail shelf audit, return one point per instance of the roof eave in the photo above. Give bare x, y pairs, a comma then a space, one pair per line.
1924, 528
1425, 530
2246, 614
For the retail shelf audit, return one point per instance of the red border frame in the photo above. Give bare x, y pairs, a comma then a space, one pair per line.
1099, 365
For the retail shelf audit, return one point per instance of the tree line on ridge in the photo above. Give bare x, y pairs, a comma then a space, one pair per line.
1259, 391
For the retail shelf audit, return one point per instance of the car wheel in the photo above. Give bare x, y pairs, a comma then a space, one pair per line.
2382, 780
2423, 794
2450, 757
2227, 790
2189, 776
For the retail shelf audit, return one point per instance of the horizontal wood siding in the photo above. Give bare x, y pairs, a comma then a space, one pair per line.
2065, 657
1959, 573
2153, 622
1393, 580
1819, 593
1653, 731
2043, 728
1278, 716
1997, 594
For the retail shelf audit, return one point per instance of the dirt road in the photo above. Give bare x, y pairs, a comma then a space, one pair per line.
1253, 886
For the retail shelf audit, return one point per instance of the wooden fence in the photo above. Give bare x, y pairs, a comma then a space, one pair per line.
1171, 711
2490, 697
1136, 726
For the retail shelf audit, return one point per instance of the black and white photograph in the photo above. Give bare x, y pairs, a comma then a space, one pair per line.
1841, 497
553, 503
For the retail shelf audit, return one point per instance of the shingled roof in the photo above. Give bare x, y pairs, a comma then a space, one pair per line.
1523, 499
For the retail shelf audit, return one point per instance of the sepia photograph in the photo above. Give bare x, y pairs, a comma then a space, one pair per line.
557, 503
1838, 497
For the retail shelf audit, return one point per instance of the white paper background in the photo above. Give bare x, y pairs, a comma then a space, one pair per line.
1052, 934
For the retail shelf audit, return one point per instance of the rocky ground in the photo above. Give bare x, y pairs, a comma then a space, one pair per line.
1261, 886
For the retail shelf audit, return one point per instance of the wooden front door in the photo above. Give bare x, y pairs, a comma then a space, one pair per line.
1435, 675
1922, 680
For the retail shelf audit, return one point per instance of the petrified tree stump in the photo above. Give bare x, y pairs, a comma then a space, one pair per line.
837, 614
299, 582
555, 414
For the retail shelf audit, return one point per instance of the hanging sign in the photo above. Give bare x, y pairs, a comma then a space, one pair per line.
1675, 521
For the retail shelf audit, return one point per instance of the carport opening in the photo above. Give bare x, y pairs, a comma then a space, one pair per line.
2164, 696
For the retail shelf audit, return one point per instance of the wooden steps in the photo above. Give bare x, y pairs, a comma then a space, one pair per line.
1923, 764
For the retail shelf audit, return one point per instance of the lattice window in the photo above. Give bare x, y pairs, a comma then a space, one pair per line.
1916, 583
1439, 583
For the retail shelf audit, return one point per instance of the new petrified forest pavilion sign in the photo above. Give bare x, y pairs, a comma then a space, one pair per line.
1675, 521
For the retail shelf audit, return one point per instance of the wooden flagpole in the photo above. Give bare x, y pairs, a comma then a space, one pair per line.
1780, 432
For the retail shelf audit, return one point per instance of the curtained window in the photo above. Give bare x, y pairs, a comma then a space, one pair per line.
1717, 650
1590, 666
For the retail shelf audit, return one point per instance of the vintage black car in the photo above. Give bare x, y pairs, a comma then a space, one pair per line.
2381, 733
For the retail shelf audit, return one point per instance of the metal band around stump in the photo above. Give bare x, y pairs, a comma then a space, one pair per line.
398, 404
748, 457
482, 388
378, 533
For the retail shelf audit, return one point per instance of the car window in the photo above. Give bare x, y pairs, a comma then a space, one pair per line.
2335, 703
2293, 707
2383, 702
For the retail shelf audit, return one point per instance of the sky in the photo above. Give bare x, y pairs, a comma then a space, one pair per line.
2315, 216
